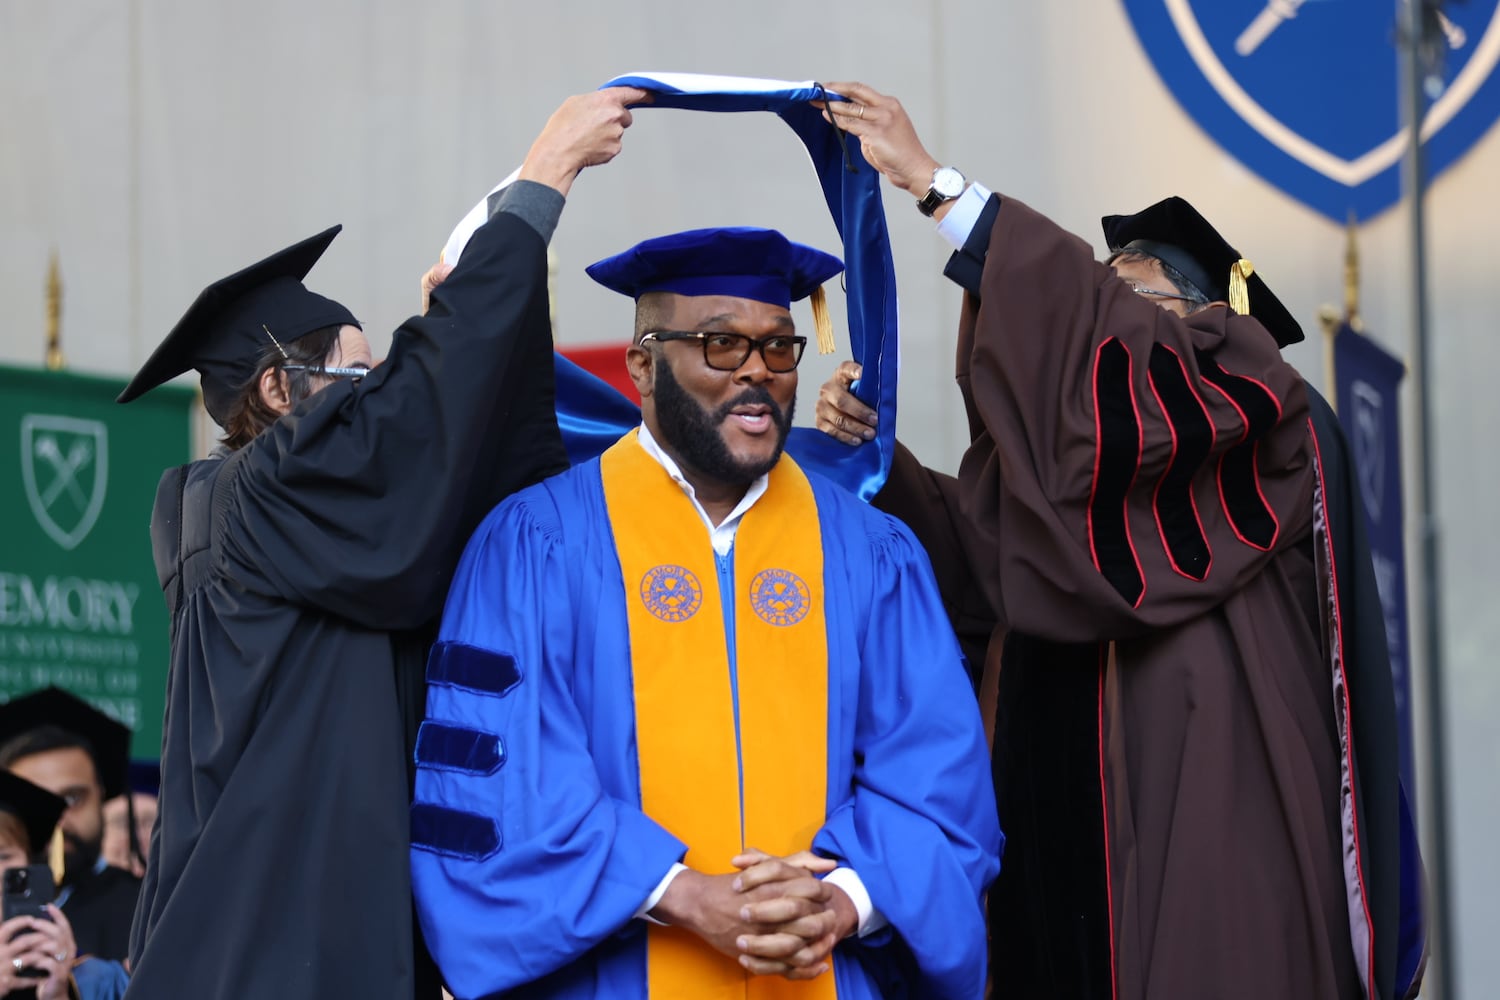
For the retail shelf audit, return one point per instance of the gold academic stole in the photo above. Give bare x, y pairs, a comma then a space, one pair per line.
692, 768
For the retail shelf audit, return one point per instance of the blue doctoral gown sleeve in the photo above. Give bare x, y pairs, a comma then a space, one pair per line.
98, 979
520, 862
919, 824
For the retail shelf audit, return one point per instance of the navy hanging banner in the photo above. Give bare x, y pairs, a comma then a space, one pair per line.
1368, 382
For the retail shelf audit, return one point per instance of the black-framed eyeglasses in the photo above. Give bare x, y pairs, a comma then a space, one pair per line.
1140, 289
354, 373
725, 352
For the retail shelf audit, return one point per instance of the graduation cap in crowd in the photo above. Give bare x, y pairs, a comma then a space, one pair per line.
743, 262
235, 319
108, 740
1175, 233
36, 808
145, 777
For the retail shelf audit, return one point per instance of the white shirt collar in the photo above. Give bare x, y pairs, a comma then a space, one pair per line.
722, 534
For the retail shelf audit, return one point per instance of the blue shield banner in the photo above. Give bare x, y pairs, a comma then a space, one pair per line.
1368, 380
1307, 93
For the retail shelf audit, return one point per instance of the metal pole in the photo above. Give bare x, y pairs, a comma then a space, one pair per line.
55, 360
1434, 776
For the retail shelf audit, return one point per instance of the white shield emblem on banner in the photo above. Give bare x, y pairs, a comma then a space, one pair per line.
65, 469
1368, 432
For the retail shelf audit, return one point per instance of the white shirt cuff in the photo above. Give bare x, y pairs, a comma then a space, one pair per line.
959, 222
847, 879
644, 913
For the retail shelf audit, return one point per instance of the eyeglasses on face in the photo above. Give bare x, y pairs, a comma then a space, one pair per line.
1140, 289
351, 373
726, 352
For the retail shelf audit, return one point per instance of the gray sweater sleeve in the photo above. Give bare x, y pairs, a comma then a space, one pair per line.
537, 205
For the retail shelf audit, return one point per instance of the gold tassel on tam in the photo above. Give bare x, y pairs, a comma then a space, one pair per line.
1239, 291
55, 856
821, 320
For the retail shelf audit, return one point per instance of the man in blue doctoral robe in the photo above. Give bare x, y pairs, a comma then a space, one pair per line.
697, 724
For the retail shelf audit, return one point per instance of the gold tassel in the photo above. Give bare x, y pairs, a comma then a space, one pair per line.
1239, 291
55, 856
821, 320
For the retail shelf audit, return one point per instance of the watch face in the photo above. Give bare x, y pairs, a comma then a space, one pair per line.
947, 182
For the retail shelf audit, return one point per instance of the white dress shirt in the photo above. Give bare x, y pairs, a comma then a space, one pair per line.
958, 224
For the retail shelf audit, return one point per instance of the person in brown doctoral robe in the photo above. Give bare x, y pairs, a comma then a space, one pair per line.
1194, 737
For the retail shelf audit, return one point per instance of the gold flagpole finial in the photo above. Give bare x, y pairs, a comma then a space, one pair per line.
1239, 289
1351, 275
55, 361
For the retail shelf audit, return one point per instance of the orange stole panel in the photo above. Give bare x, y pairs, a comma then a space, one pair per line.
690, 760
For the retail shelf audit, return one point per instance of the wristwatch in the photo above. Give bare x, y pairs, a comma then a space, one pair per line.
947, 184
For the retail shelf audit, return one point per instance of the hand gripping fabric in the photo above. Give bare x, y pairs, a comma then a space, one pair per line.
593, 415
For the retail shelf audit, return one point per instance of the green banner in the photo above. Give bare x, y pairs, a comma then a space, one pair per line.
80, 606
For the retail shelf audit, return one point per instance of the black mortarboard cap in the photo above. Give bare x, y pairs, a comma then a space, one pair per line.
233, 320
36, 808
1175, 233
52, 706
145, 777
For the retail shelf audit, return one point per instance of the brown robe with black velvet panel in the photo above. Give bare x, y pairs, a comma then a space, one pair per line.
1137, 506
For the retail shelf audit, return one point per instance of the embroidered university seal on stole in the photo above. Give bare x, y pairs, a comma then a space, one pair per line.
671, 593
779, 597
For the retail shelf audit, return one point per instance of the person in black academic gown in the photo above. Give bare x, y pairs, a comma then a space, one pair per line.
60, 742
305, 564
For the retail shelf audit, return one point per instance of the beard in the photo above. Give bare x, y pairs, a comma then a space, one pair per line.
696, 435
80, 856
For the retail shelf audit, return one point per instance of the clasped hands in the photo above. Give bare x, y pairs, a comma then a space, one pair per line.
773, 915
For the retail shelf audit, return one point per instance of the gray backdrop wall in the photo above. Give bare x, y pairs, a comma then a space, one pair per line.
159, 144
